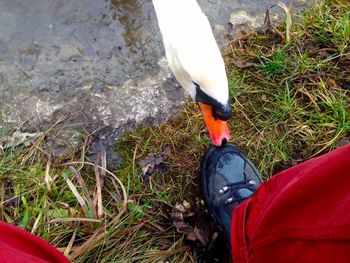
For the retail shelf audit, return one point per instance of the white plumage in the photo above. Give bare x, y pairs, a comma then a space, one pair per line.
191, 50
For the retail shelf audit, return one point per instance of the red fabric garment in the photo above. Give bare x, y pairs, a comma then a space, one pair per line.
19, 246
300, 215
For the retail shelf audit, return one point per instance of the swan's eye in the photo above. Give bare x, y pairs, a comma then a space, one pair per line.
219, 111
223, 113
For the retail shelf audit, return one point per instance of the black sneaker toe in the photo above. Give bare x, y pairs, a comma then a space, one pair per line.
228, 178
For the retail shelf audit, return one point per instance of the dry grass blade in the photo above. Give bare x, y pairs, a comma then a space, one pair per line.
98, 193
269, 26
101, 232
36, 223
131, 234
79, 198
2, 199
100, 181
86, 143
74, 219
169, 252
125, 196
36, 145
94, 239
80, 180
287, 10
116, 196
327, 144
84, 188
48, 179
103, 162
70, 244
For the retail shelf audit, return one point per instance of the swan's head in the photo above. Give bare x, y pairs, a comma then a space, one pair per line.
216, 111
204, 77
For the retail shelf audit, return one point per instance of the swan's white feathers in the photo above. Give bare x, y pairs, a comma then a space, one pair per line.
191, 50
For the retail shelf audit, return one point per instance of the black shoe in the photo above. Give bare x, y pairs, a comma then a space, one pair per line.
228, 178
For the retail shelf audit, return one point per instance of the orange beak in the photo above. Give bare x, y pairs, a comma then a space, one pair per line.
218, 129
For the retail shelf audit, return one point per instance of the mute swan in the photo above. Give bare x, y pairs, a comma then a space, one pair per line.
195, 60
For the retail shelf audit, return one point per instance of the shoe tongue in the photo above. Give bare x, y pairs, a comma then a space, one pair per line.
244, 193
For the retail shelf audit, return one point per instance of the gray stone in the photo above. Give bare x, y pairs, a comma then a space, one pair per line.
95, 65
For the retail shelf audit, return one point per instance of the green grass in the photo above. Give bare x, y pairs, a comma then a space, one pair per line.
290, 104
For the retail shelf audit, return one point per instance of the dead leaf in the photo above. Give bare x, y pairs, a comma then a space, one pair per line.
242, 64
180, 208
177, 216
185, 222
186, 204
191, 233
148, 163
151, 162
18, 138
199, 235
183, 207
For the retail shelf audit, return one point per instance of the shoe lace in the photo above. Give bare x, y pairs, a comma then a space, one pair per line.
239, 191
